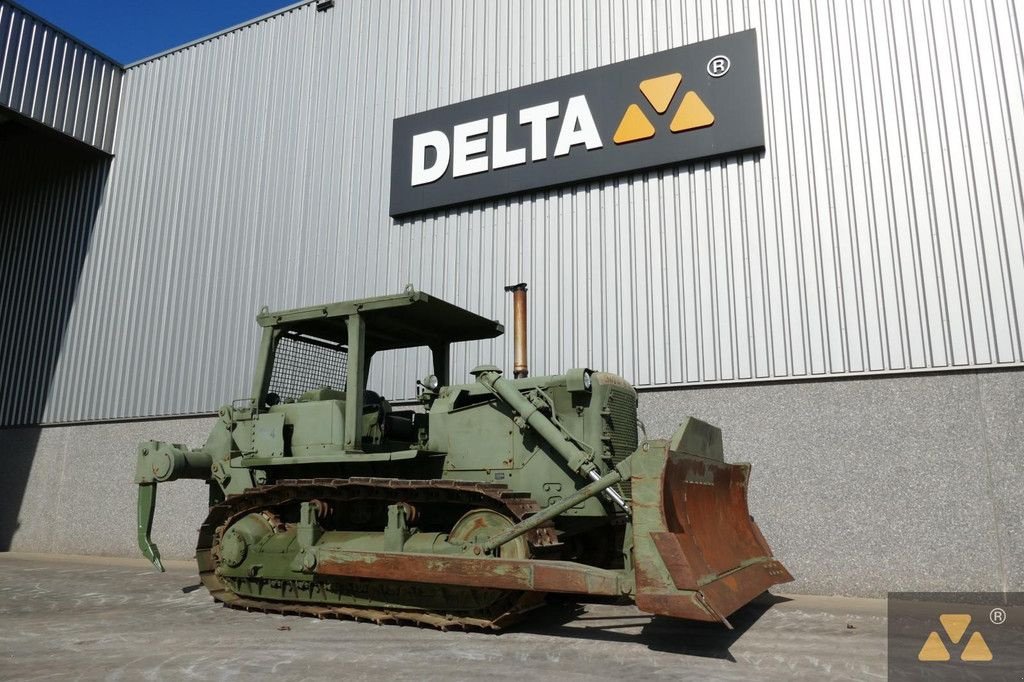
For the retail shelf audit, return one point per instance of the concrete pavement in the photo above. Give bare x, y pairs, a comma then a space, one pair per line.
98, 618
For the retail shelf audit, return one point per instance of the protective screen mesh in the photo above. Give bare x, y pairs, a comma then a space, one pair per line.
302, 364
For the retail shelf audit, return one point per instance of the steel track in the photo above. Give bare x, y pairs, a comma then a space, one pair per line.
504, 611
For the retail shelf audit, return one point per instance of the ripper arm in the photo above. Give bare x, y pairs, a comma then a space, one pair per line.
158, 462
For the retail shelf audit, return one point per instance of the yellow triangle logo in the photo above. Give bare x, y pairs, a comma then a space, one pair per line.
976, 649
692, 113
955, 625
660, 91
933, 649
633, 126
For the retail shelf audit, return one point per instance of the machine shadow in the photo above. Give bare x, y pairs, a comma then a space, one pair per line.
51, 189
567, 618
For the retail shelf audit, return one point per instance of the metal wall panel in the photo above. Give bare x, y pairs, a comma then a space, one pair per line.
55, 80
50, 193
880, 232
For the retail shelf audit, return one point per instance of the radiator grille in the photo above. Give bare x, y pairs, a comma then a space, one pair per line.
620, 418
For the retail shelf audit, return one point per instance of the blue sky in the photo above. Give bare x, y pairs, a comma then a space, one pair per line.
129, 30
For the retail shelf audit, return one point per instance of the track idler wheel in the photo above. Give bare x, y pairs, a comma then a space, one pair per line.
242, 535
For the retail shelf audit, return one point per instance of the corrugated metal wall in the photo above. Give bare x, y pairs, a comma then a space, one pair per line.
50, 192
880, 232
55, 80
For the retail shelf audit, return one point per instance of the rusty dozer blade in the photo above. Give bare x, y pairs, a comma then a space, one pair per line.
698, 553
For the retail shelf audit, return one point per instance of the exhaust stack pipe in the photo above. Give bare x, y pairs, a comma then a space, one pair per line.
520, 369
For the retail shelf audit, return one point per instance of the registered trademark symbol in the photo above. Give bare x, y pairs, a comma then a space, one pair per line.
997, 616
719, 66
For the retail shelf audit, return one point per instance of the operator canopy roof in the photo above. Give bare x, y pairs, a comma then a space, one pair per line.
405, 320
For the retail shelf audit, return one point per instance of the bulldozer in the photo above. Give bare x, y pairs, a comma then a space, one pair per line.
463, 508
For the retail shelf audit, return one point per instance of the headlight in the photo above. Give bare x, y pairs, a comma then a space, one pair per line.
432, 383
578, 379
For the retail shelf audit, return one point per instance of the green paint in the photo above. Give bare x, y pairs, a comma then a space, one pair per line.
568, 442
